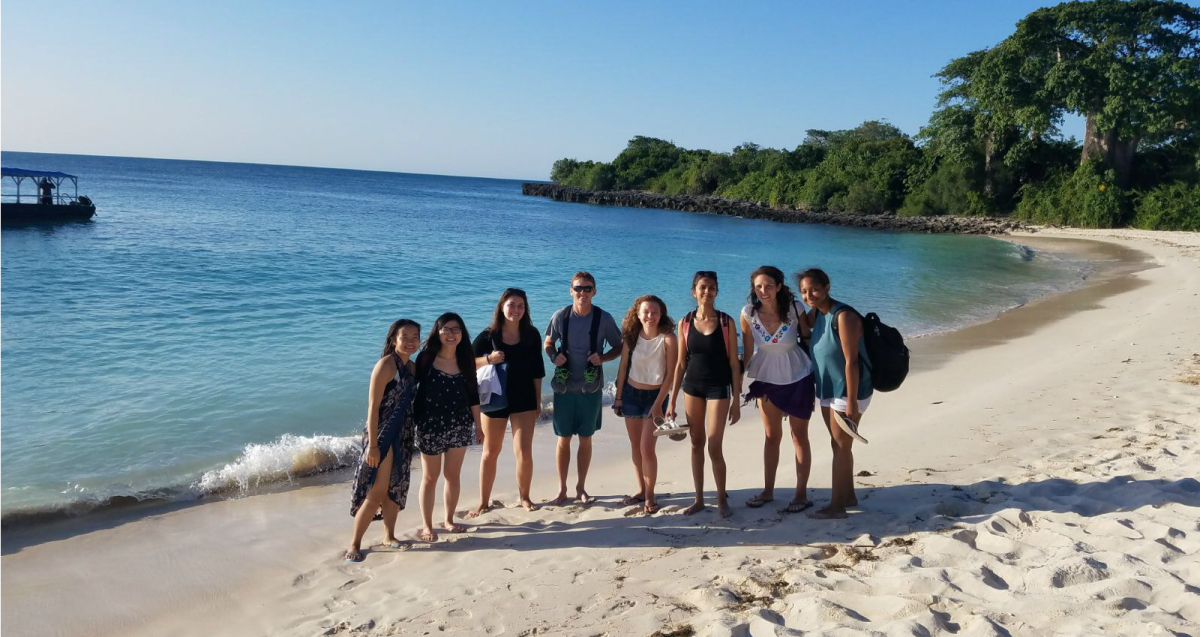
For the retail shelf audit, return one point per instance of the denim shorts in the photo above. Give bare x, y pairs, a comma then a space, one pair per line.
637, 403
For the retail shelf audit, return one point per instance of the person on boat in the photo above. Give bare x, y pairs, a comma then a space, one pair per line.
384, 468
644, 380
706, 370
843, 381
511, 340
46, 192
774, 329
446, 415
575, 340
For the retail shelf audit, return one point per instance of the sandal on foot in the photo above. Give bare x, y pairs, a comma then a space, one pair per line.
757, 501
426, 536
797, 507
354, 556
651, 509
631, 500
454, 528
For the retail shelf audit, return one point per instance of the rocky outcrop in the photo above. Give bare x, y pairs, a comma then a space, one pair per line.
750, 210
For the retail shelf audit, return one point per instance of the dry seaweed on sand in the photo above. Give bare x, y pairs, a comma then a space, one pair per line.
684, 630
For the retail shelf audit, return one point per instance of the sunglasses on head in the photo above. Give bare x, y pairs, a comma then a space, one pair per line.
583, 288
514, 291
706, 274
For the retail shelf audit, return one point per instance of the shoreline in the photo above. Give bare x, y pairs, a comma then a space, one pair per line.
313, 462
1006, 419
749, 210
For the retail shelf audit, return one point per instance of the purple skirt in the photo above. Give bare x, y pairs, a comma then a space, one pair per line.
796, 399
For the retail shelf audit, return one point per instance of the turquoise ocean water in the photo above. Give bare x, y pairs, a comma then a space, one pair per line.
214, 327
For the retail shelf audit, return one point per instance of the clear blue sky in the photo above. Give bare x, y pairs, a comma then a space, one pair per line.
485, 88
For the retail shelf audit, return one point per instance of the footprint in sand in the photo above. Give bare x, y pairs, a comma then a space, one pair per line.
304, 580
618, 609
353, 584
459, 613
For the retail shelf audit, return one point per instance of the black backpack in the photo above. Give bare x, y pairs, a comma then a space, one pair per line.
887, 351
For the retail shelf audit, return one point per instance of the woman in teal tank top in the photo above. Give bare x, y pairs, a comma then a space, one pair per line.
843, 376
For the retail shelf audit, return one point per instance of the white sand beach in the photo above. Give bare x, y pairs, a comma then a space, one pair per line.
1034, 475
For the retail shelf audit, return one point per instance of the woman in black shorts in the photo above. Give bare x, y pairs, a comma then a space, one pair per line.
707, 368
511, 340
446, 415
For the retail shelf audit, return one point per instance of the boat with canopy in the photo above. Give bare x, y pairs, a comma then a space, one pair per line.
45, 198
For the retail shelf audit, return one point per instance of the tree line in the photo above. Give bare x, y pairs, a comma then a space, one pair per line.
993, 145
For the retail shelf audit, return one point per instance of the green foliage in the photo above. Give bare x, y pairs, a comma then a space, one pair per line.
1086, 198
643, 160
952, 190
1128, 66
1174, 206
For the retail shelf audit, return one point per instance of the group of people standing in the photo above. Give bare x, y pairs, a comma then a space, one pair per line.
797, 358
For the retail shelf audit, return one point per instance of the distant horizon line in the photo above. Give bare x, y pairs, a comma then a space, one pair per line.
256, 163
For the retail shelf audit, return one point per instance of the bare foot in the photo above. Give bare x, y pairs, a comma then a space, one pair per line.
453, 527
695, 508
723, 509
426, 535
393, 543
479, 510
560, 500
828, 513
583, 497
528, 504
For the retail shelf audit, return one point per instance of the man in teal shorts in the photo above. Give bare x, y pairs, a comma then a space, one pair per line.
575, 339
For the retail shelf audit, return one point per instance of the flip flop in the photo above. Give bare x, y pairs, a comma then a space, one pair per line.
631, 500
797, 507
848, 426
651, 509
354, 556
758, 501
424, 536
454, 528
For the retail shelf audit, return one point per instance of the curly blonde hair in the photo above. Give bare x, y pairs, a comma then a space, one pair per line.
631, 326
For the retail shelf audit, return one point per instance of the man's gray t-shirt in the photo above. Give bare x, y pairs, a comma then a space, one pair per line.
579, 348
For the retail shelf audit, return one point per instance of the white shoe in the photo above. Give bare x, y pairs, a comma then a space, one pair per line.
848, 426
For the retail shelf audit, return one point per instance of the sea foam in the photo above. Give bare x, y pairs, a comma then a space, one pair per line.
289, 457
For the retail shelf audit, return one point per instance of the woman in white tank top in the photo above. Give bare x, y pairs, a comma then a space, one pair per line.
643, 384
774, 330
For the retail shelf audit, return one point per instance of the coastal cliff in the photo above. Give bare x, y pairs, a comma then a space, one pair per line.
750, 210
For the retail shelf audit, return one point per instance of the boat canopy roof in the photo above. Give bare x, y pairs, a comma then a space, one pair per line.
21, 172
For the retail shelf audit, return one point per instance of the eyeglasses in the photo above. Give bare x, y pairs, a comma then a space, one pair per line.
584, 288
450, 330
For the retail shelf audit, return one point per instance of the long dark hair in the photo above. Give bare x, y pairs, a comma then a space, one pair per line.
525, 325
784, 298
464, 355
631, 325
389, 344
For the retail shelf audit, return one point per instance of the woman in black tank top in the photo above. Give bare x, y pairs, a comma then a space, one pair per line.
707, 372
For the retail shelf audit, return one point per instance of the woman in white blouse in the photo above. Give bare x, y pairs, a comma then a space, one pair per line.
774, 329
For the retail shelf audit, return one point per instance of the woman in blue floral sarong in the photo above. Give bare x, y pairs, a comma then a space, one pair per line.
387, 441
